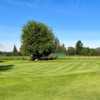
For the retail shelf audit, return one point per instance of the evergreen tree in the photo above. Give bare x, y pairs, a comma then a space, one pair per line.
15, 51
79, 47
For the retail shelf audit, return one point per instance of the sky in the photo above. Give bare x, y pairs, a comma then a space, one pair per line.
70, 20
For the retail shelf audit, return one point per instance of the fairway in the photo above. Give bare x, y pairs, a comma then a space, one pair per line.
63, 79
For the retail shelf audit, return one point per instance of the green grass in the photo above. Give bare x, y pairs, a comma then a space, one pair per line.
73, 78
14, 57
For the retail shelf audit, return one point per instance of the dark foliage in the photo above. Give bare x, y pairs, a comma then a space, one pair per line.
49, 57
37, 40
83, 51
71, 51
79, 47
15, 51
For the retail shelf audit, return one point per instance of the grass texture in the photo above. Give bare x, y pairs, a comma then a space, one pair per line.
72, 78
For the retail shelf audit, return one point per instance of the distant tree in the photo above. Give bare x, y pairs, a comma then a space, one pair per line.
57, 45
97, 51
63, 48
86, 51
93, 52
71, 51
79, 47
37, 40
15, 51
0, 52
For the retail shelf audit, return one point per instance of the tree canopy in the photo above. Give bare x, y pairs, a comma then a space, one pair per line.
79, 47
37, 39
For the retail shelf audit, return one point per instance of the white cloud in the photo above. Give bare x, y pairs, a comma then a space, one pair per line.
8, 46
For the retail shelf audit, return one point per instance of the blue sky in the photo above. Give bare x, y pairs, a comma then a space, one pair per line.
71, 20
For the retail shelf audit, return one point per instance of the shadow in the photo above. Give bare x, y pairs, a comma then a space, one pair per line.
5, 67
1, 61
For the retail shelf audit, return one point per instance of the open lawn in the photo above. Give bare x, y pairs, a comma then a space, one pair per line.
72, 78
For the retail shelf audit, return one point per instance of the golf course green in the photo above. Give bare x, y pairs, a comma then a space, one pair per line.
70, 78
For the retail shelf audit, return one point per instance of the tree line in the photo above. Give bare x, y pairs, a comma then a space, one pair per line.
39, 41
81, 50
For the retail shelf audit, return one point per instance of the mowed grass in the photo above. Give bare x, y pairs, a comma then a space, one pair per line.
72, 78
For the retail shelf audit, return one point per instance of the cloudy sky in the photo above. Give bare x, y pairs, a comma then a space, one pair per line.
71, 20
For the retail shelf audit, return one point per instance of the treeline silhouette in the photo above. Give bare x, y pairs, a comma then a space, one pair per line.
39, 42
81, 50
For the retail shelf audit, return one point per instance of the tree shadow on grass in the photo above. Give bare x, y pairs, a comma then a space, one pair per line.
1, 61
5, 67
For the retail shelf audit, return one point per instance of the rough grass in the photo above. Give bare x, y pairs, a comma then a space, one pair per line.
73, 78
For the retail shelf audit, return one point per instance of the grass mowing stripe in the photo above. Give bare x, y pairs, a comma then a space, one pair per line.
89, 66
59, 67
74, 79
69, 68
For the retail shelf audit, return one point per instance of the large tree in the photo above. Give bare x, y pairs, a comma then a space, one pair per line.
37, 39
79, 47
